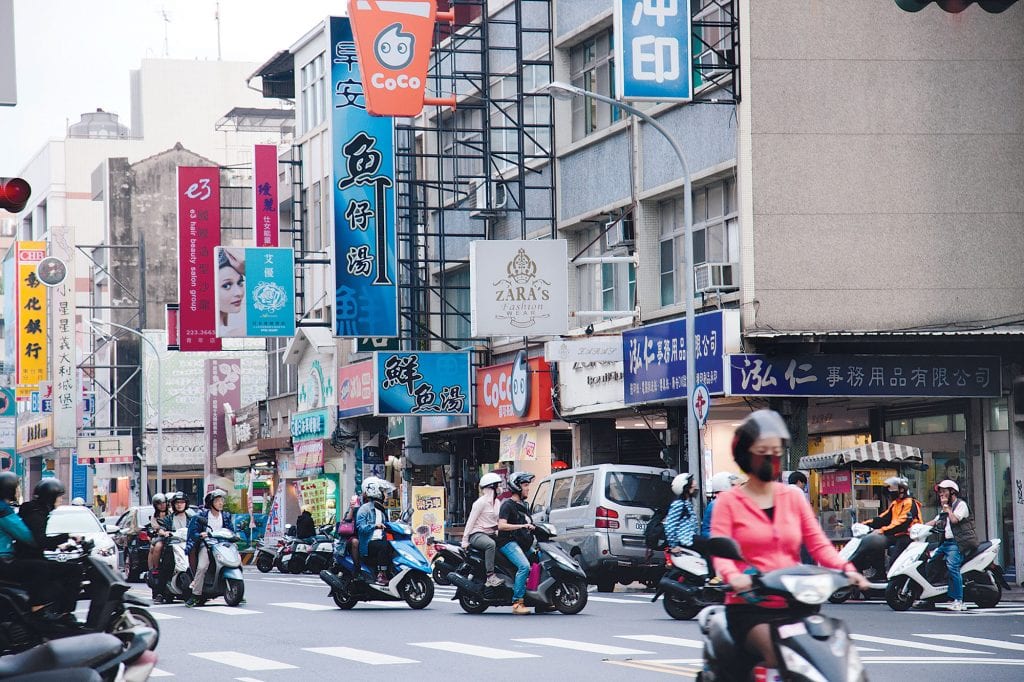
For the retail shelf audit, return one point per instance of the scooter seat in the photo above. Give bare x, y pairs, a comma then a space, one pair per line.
977, 550
81, 651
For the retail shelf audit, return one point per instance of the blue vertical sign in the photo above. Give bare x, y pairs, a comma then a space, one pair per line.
654, 48
270, 281
79, 478
363, 161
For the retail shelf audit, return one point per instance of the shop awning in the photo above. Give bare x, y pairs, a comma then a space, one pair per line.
879, 451
236, 459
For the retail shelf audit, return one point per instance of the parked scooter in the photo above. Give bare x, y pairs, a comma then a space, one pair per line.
562, 585
85, 657
321, 554
685, 585
983, 578
410, 581
863, 551
174, 564
268, 555
809, 646
294, 556
224, 577
446, 559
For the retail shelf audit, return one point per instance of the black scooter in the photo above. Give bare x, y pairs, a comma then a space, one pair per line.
446, 559
84, 657
809, 646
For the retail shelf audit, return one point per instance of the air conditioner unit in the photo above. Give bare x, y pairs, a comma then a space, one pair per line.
619, 233
709, 277
498, 199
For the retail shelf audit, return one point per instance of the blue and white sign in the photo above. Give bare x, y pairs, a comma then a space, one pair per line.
79, 478
311, 425
33, 400
46, 405
421, 383
653, 46
700, 403
255, 291
655, 356
363, 161
922, 376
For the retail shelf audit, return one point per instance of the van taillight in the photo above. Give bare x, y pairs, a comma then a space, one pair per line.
606, 518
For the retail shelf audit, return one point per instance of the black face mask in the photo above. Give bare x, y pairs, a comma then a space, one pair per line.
765, 472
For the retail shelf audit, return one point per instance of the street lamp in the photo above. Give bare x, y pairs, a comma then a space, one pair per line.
159, 402
565, 91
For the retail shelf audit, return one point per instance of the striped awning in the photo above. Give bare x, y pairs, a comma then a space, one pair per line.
879, 451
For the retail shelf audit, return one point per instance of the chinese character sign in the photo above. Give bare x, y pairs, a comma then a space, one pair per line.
355, 389
653, 45
421, 383
32, 332
255, 291
363, 158
198, 235
65, 374
264, 195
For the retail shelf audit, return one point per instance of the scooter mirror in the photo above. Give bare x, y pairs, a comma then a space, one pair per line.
431, 541
726, 548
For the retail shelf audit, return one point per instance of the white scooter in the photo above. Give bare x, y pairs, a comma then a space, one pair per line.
177, 586
224, 576
685, 585
983, 577
862, 550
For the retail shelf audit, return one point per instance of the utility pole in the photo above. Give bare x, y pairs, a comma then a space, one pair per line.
216, 17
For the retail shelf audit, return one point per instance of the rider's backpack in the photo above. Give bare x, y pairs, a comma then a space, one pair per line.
654, 534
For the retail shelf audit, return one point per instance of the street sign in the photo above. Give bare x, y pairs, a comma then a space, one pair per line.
34, 401
653, 50
701, 403
47, 405
375, 343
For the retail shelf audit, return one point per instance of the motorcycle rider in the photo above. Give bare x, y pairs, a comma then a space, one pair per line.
895, 522
352, 540
681, 518
178, 518
212, 518
514, 535
482, 526
370, 520
66, 578
720, 482
154, 528
960, 538
12, 528
769, 521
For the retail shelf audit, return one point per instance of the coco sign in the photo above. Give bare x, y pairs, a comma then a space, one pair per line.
514, 393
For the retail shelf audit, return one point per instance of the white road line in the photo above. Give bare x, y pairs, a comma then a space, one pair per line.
582, 646
866, 648
661, 639
304, 606
247, 679
918, 660
243, 661
913, 645
157, 672
979, 641
227, 610
386, 604
613, 601
473, 650
360, 655
159, 615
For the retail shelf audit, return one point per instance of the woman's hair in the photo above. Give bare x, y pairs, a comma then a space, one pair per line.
227, 260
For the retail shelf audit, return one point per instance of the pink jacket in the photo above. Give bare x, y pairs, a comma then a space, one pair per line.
767, 544
483, 518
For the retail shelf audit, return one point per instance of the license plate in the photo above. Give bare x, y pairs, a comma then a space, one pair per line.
301, 548
640, 526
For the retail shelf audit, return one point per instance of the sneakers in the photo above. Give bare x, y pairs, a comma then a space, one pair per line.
194, 601
957, 605
382, 578
923, 606
493, 580
519, 608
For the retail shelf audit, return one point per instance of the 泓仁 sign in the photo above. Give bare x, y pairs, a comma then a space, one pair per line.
653, 46
528, 296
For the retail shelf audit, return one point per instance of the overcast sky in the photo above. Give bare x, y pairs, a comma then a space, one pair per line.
74, 56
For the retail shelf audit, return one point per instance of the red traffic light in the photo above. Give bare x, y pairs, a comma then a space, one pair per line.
14, 194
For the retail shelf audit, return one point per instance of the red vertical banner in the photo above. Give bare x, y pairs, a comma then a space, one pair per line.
198, 234
223, 386
264, 194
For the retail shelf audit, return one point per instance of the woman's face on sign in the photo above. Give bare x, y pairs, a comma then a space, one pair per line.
231, 290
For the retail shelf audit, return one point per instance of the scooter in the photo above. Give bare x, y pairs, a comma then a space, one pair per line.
321, 555
174, 562
983, 578
84, 657
410, 581
562, 584
269, 555
224, 577
446, 559
863, 550
809, 646
294, 556
685, 585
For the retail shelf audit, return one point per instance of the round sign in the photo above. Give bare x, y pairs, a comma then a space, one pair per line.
51, 271
701, 404
519, 383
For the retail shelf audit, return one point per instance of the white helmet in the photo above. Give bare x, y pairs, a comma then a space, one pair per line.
376, 488
78, 502
681, 483
487, 480
947, 484
897, 482
722, 481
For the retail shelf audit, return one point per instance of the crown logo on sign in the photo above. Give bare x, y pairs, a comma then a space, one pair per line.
522, 269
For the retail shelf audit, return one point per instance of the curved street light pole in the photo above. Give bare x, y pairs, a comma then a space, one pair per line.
567, 91
159, 402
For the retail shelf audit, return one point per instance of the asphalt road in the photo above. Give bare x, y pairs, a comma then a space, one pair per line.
289, 629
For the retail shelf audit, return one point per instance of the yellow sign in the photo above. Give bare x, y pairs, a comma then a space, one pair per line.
517, 445
31, 346
872, 476
428, 516
314, 499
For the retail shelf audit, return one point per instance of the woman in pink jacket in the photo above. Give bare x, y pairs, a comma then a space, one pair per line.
770, 521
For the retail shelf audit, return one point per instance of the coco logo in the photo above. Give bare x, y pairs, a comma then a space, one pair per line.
519, 385
403, 82
394, 47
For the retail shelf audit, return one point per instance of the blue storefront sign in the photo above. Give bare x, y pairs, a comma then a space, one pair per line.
311, 425
363, 161
79, 478
270, 282
655, 356
421, 383
921, 376
653, 45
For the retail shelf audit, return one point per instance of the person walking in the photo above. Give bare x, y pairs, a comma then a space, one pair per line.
481, 529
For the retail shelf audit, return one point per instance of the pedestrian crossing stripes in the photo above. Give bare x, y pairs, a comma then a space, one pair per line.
473, 650
979, 641
360, 656
908, 644
661, 639
583, 646
242, 661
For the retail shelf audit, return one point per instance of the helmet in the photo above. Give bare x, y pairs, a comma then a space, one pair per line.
947, 484
722, 481
376, 488
681, 483
159, 498
179, 496
488, 480
518, 479
9, 485
213, 495
78, 502
897, 482
48, 490
759, 424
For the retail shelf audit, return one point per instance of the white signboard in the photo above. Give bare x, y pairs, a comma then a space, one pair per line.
65, 374
8, 433
105, 450
585, 349
519, 287
586, 387
181, 448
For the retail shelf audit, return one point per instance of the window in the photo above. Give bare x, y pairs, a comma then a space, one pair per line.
999, 417
282, 379
581, 490
560, 494
637, 490
312, 94
456, 305
593, 69
504, 121
315, 222
603, 286
716, 237
540, 498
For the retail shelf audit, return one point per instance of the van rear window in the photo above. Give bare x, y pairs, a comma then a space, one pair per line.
637, 490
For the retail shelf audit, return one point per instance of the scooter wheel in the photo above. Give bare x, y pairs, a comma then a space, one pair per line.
417, 590
343, 601
570, 596
440, 577
901, 593
234, 592
842, 595
680, 609
989, 599
265, 563
471, 604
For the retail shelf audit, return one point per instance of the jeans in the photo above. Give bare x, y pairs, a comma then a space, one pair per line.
954, 560
485, 543
514, 553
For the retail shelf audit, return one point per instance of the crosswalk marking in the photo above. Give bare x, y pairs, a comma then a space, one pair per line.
360, 655
473, 650
228, 610
980, 641
935, 660
160, 615
304, 606
157, 672
661, 639
243, 661
613, 601
583, 646
914, 645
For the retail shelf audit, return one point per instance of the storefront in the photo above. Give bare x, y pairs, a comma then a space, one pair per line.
311, 432
35, 449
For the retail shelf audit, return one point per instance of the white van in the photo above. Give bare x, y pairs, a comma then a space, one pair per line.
601, 513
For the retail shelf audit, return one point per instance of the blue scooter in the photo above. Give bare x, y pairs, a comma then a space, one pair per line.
410, 573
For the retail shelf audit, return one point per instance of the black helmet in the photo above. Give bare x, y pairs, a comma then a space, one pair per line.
212, 495
516, 481
9, 485
179, 496
759, 424
159, 498
48, 490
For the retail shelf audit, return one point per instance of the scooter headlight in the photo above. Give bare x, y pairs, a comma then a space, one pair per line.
810, 589
795, 663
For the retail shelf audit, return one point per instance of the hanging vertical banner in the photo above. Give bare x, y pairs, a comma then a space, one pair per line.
363, 159
198, 234
65, 376
255, 291
223, 382
31, 324
653, 47
264, 195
